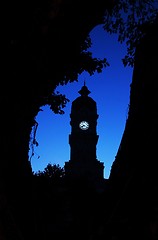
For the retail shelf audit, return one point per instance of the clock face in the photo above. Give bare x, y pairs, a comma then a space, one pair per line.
84, 125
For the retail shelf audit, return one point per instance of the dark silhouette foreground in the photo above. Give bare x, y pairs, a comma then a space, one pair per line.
50, 48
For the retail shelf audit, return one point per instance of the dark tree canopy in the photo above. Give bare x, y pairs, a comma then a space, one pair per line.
53, 172
129, 20
34, 32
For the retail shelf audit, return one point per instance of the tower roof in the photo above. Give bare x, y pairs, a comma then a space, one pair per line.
84, 91
84, 100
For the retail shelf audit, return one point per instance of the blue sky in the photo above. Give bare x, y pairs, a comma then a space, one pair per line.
110, 89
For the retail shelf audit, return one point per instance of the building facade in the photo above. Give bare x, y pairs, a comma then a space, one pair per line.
83, 140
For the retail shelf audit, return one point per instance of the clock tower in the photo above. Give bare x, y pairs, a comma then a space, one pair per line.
83, 139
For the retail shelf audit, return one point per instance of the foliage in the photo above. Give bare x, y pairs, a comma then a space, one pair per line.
57, 102
53, 172
33, 142
127, 19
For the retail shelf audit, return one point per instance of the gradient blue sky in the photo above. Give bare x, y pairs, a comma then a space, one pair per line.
110, 89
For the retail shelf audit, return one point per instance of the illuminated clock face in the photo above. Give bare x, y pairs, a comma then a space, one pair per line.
84, 125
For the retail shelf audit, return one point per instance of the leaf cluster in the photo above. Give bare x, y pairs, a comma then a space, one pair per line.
83, 62
57, 102
53, 172
127, 19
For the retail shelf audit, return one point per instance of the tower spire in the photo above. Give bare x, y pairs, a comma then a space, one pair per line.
84, 91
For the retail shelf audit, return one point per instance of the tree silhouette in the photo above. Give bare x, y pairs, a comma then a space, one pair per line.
129, 20
53, 172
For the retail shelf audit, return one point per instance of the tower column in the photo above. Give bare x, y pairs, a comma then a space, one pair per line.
83, 139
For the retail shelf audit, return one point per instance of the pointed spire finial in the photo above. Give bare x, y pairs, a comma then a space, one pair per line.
84, 90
